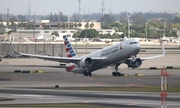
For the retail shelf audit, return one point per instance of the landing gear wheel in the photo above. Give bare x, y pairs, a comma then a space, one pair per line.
90, 74
116, 73
113, 73
87, 74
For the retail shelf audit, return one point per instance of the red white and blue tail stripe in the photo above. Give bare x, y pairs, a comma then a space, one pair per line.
69, 49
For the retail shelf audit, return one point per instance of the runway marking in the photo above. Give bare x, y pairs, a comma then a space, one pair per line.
138, 79
132, 104
28, 95
86, 101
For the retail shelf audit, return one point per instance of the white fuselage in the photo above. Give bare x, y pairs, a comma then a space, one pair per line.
117, 53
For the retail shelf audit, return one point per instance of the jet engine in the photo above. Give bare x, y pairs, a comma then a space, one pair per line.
86, 62
135, 63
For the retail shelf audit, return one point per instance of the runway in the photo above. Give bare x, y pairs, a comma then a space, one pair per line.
108, 99
20, 88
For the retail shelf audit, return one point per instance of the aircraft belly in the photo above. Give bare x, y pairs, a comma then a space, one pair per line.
79, 70
117, 57
112, 59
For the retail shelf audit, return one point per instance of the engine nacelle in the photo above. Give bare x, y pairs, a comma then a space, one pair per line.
86, 62
135, 63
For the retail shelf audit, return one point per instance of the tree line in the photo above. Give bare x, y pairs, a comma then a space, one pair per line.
155, 22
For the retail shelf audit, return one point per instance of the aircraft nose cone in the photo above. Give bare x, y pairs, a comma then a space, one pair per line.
137, 48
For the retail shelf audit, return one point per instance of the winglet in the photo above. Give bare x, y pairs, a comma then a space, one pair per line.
163, 53
163, 50
13, 48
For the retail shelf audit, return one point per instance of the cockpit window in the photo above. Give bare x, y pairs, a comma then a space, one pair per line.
133, 43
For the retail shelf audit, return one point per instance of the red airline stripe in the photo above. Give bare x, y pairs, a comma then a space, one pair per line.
69, 55
64, 43
67, 49
70, 68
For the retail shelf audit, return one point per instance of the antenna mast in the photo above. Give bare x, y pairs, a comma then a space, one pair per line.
79, 10
103, 7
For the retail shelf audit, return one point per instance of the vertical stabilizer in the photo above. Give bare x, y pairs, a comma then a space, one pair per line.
69, 49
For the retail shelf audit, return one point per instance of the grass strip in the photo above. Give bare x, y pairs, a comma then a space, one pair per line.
172, 89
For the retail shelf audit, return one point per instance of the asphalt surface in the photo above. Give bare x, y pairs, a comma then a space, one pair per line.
108, 99
20, 86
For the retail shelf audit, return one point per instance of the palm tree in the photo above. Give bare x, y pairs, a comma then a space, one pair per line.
86, 25
79, 25
92, 25
75, 25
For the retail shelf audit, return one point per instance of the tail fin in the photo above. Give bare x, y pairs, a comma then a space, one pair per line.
69, 49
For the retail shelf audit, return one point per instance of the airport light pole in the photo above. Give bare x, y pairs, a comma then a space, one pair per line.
34, 26
76, 36
128, 26
164, 28
86, 26
20, 36
59, 20
146, 32
124, 30
68, 21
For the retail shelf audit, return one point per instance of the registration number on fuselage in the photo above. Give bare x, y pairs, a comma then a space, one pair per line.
109, 51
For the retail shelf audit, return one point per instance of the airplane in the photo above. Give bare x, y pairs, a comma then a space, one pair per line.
165, 39
40, 37
60, 37
122, 52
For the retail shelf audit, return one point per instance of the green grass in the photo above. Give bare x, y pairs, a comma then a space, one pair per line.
175, 89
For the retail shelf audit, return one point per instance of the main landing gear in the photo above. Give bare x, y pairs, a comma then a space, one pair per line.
116, 73
87, 73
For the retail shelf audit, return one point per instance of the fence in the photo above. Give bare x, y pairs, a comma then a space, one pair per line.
54, 49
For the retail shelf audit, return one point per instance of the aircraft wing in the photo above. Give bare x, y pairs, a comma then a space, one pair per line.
54, 58
163, 53
62, 59
59, 59
51, 58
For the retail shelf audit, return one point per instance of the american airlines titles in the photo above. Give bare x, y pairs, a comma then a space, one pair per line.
109, 51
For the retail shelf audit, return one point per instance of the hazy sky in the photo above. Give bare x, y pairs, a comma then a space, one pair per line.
68, 7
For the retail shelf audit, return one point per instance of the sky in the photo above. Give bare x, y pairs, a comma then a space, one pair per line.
68, 7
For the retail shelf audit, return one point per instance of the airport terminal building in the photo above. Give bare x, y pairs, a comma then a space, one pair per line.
46, 28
